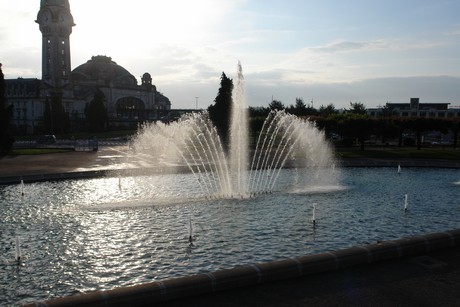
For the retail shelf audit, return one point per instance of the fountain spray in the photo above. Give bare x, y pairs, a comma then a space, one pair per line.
399, 168
22, 187
17, 251
313, 219
190, 231
405, 203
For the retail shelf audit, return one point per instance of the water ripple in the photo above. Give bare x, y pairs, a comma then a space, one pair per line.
79, 236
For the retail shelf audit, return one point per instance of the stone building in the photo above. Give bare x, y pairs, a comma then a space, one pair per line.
128, 103
416, 109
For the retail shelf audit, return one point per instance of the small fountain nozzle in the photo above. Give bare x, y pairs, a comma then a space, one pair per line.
313, 219
406, 203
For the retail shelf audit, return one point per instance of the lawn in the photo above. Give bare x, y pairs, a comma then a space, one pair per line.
36, 151
397, 152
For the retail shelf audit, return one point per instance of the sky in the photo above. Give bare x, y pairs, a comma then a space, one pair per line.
328, 51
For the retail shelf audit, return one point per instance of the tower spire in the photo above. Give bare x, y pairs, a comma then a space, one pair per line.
56, 23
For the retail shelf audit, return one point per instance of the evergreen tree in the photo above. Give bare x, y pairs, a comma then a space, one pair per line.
96, 112
276, 105
220, 112
357, 108
327, 110
6, 112
57, 121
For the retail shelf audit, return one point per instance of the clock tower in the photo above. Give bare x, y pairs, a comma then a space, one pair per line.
56, 23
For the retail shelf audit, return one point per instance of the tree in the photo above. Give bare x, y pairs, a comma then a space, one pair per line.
258, 111
420, 125
455, 127
357, 108
327, 110
96, 112
57, 121
387, 111
299, 109
6, 112
220, 112
276, 105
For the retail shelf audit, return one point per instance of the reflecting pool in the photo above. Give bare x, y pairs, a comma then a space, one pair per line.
83, 235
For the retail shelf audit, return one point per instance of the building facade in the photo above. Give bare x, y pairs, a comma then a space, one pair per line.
127, 102
416, 109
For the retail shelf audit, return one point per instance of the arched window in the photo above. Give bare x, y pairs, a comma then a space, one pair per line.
130, 108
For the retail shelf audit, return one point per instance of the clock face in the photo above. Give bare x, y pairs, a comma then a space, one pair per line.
46, 17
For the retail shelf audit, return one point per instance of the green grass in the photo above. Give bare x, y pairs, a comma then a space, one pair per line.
37, 151
83, 135
397, 153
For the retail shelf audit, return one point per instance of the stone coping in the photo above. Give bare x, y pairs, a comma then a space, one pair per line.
249, 275
30, 178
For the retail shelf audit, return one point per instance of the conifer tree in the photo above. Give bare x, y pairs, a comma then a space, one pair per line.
6, 112
96, 112
220, 112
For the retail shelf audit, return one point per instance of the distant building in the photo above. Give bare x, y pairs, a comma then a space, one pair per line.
127, 102
416, 109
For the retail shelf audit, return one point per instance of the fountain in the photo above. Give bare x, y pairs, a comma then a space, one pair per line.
99, 233
22, 187
193, 142
313, 219
17, 251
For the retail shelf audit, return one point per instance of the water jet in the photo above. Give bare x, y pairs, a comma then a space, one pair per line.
245, 169
17, 251
313, 219
22, 187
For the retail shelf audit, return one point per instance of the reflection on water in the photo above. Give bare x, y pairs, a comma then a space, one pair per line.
93, 234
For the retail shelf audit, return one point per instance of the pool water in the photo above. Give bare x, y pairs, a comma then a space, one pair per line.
83, 235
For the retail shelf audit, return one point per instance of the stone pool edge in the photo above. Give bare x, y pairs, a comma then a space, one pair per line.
254, 274
75, 175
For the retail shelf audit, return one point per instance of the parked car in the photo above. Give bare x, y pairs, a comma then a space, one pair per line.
46, 139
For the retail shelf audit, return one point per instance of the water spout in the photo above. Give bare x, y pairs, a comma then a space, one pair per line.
17, 251
313, 219
190, 231
22, 187
192, 142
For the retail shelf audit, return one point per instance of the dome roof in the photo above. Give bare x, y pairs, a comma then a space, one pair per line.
104, 71
64, 3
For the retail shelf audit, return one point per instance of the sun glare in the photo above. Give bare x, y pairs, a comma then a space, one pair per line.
113, 27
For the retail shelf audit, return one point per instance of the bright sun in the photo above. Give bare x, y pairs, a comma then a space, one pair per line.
124, 26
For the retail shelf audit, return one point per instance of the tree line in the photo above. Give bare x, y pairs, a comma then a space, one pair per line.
348, 126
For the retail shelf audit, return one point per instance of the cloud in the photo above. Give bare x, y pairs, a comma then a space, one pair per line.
371, 92
345, 46
455, 31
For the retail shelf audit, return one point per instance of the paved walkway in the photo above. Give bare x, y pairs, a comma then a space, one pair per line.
14, 168
65, 162
425, 280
